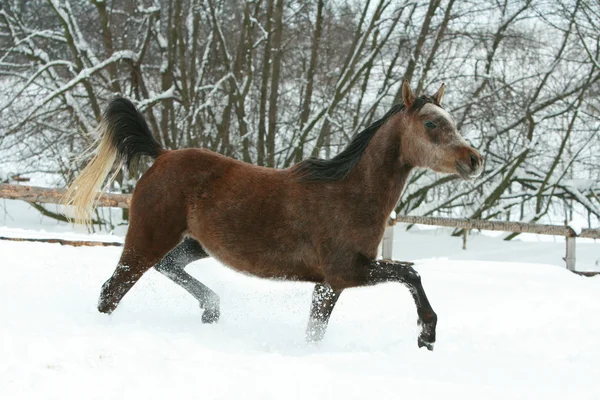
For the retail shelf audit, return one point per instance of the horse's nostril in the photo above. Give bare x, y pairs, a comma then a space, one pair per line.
474, 161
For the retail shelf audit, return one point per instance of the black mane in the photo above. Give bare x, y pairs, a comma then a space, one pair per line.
319, 170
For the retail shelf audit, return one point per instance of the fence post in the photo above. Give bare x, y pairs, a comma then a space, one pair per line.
570, 257
387, 243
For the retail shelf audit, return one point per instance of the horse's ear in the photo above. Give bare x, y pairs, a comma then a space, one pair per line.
407, 94
439, 95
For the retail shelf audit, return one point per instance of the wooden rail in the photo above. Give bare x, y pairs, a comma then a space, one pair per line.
36, 194
504, 226
64, 242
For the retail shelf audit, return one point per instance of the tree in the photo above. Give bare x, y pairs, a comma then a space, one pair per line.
274, 81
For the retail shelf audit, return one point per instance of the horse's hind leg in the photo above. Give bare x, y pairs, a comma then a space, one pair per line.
145, 245
323, 300
130, 269
173, 267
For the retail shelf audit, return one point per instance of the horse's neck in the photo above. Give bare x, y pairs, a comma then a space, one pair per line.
382, 172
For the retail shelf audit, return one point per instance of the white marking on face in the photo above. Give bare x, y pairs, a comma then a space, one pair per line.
433, 109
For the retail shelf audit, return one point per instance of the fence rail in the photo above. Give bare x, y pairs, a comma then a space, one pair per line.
36, 194
33, 194
504, 226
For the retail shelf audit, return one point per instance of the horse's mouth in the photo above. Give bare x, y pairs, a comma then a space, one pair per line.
466, 172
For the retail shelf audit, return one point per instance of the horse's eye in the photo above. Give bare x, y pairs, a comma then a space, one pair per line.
430, 124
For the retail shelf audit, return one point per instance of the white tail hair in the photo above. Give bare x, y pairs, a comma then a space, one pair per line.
85, 190
123, 135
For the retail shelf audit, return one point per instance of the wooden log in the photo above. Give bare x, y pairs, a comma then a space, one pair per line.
35, 194
64, 242
19, 178
588, 274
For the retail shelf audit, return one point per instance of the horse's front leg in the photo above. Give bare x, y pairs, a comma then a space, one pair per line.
367, 272
323, 301
397, 271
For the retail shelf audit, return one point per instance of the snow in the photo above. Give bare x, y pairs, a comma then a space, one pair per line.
577, 226
155, 98
582, 184
513, 324
88, 72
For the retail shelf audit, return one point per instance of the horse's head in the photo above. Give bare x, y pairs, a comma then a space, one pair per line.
431, 139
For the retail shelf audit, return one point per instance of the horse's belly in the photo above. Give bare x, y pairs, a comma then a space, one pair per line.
266, 262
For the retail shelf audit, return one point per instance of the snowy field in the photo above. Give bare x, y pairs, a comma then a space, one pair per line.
513, 324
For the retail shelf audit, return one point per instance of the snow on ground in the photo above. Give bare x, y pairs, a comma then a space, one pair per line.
513, 324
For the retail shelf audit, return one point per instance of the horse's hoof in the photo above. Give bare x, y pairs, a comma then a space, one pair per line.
312, 337
423, 343
210, 316
106, 307
427, 336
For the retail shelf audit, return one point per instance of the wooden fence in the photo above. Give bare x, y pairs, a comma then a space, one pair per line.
504, 226
34, 194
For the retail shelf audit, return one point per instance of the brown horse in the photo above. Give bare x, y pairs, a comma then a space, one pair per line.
319, 221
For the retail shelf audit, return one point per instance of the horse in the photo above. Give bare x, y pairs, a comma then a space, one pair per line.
319, 221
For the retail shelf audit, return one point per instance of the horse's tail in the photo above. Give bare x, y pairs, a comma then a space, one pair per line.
123, 136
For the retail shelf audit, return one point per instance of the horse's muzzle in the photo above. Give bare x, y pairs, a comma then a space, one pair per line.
470, 164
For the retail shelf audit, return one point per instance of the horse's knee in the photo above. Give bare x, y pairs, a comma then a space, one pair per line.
189, 250
412, 275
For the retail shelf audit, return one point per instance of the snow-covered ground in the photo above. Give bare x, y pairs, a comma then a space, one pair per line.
513, 323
